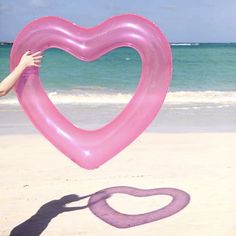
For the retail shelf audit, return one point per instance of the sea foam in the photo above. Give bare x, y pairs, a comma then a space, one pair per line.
204, 98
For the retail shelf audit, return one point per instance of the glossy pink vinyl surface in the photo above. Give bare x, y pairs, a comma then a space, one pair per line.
90, 149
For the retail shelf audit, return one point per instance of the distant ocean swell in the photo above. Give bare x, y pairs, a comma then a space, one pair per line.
190, 98
185, 44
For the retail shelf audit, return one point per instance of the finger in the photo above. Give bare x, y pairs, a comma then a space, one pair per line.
37, 57
36, 53
37, 62
37, 65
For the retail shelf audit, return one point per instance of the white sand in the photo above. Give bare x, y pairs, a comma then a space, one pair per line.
33, 172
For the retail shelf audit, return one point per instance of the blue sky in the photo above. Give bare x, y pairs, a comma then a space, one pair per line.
180, 20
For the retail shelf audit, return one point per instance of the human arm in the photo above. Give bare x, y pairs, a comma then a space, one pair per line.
27, 60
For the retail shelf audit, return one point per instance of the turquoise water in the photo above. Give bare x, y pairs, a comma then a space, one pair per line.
202, 95
204, 67
196, 67
202, 73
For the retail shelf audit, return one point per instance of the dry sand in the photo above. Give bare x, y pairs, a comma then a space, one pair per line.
33, 173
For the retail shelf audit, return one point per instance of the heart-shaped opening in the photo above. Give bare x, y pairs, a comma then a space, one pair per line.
90, 94
128, 204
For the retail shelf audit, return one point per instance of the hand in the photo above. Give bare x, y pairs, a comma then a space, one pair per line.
29, 59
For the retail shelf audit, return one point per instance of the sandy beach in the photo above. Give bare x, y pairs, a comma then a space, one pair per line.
34, 173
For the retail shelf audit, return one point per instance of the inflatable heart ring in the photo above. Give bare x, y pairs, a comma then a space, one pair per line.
90, 149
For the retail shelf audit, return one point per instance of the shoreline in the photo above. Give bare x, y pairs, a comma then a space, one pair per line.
13, 120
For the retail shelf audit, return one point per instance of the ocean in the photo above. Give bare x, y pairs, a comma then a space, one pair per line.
201, 97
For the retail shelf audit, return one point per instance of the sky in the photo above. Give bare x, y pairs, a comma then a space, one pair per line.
179, 20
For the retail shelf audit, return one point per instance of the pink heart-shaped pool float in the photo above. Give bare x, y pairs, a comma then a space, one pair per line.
91, 149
